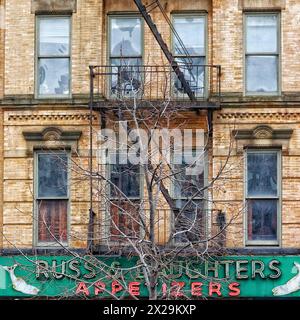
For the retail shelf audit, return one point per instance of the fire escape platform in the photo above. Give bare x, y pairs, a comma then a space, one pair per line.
154, 85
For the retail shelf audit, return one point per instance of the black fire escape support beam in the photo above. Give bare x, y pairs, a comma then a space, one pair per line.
90, 236
165, 49
210, 122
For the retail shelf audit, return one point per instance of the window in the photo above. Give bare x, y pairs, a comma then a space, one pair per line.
52, 197
125, 194
188, 183
53, 57
263, 196
125, 51
191, 30
262, 53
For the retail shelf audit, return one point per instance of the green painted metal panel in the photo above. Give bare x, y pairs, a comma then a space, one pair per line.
230, 276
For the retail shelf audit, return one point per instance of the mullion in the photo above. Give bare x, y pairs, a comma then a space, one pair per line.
127, 57
54, 57
262, 54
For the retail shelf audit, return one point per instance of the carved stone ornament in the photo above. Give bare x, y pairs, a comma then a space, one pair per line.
263, 132
262, 136
52, 138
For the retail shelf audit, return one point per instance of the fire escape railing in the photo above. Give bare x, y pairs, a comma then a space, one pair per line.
201, 84
157, 82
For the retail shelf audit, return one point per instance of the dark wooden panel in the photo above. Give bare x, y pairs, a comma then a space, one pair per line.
52, 219
125, 216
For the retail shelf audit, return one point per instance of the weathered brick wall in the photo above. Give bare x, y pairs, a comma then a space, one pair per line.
2, 34
89, 40
18, 174
87, 32
19, 48
228, 43
232, 180
228, 47
290, 46
89, 46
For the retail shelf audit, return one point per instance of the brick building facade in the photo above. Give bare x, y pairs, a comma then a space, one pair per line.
258, 116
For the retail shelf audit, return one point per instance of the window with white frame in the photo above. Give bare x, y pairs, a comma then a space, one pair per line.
188, 193
191, 31
262, 197
125, 54
51, 197
262, 53
53, 56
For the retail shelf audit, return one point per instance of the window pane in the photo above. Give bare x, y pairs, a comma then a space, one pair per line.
52, 220
52, 175
262, 219
124, 221
125, 37
262, 174
262, 73
126, 77
191, 31
261, 34
190, 221
54, 77
126, 178
194, 75
190, 178
54, 36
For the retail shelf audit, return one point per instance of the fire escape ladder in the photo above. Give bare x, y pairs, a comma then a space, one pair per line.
175, 66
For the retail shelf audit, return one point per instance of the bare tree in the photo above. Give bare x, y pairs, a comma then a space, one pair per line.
152, 189
150, 201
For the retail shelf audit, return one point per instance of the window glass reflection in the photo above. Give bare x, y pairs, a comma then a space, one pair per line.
262, 219
261, 34
262, 73
262, 174
54, 36
191, 31
52, 175
54, 76
125, 37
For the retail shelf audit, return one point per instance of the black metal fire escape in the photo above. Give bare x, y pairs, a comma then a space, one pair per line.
96, 71
145, 12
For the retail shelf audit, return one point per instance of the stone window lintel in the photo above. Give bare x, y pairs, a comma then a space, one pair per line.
52, 138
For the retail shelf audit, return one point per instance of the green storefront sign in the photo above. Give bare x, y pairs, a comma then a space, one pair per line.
230, 276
